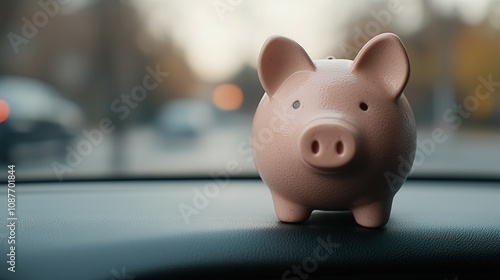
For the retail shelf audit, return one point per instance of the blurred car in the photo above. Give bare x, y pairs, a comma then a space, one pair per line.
180, 198
37, 113
184, 118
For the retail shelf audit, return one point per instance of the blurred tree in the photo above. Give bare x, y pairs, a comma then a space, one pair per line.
477, 56
96, 54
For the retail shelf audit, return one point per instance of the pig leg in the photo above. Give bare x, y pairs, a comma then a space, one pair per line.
373, 215
290, 212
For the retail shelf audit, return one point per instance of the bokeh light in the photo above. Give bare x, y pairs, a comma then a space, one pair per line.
4, 110
228, 97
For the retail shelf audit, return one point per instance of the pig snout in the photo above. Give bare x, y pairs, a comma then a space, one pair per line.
328, 144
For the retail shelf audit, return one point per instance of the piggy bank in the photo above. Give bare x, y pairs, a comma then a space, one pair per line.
334, 134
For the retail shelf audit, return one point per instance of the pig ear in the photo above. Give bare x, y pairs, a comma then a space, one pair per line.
279, 58
384, 60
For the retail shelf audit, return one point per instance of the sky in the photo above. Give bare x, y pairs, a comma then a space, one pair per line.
221, 36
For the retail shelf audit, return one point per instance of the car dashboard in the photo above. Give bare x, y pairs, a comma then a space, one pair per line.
206, 228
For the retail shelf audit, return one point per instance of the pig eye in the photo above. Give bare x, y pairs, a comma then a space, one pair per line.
363, 106
296, 104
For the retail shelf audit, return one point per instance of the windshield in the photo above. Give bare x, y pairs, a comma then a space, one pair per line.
141, 89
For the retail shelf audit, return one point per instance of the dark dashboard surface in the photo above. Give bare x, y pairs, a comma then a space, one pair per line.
137, 230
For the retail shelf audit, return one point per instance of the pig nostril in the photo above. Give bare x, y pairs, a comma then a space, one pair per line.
339, 147
315, 147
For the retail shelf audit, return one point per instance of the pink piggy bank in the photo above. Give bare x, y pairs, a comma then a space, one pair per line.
331, 134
